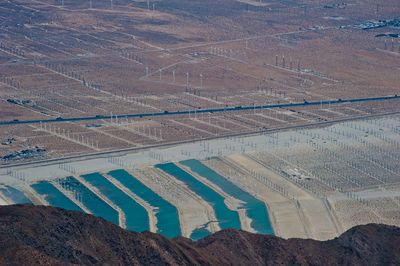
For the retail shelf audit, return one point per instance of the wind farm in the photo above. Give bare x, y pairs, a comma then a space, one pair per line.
188, 117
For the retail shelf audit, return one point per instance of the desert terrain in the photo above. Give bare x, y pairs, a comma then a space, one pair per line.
294, 103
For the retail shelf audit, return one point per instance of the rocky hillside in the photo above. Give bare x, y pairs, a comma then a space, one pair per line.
34, 235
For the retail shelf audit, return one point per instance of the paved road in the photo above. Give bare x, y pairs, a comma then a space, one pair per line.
196, 111
121, 152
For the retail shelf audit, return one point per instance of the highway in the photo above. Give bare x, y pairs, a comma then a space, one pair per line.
197, 111
121, 152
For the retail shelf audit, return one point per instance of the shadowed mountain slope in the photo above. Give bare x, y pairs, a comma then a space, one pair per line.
37, 235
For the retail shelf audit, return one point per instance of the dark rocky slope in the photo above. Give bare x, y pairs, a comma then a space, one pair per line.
34, 235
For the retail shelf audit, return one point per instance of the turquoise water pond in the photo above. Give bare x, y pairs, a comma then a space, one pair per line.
225, 216
255, 209
136, 216
90, 200
167, 214
15, 195
54, 197
199, 233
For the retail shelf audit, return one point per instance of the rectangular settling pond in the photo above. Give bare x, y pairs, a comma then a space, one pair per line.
90, 200
137, 219
255, 209
54, 197
167, 214
225, 216
15, 195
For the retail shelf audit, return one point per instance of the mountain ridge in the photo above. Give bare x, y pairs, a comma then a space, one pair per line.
39, 235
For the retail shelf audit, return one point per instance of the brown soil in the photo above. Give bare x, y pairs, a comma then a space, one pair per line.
37, 235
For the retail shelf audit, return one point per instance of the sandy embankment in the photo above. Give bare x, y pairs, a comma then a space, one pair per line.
308, 219
149, 209
231, 202
283, 214
193, 211
121, 214
3, 201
